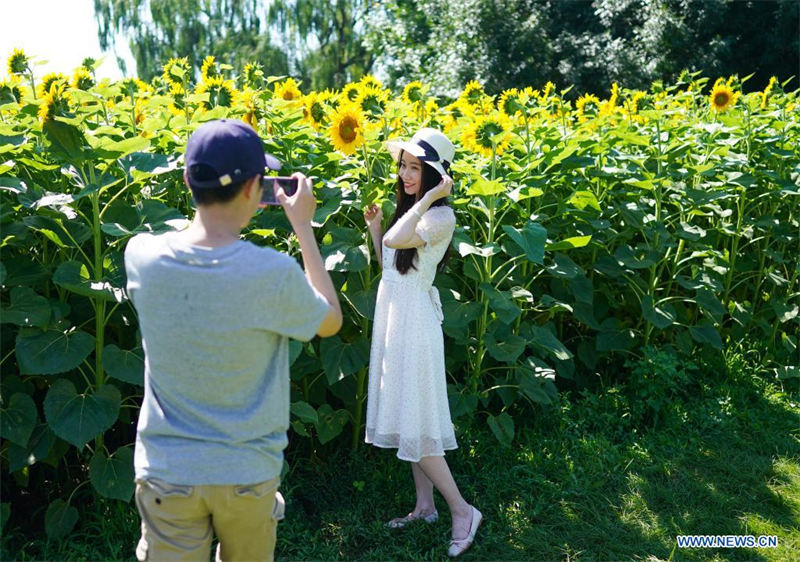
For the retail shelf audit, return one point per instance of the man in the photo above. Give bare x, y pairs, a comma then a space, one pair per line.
215, 314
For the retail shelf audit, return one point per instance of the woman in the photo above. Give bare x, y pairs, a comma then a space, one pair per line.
407, 406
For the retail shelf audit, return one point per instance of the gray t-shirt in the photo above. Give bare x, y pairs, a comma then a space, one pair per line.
215, 325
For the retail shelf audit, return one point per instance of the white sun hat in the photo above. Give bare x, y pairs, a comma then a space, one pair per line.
430, 146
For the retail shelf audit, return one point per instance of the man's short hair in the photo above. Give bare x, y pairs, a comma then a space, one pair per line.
212, 195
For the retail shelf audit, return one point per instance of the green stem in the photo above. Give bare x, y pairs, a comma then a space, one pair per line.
361, 378
487, 277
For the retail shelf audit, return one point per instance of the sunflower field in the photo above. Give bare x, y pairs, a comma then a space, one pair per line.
588, 229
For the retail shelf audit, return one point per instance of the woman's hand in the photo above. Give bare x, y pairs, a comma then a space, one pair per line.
442, 189
373, 215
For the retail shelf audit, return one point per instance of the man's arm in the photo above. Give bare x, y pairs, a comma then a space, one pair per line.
299, 209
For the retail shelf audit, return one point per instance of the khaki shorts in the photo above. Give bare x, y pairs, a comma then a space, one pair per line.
179, 522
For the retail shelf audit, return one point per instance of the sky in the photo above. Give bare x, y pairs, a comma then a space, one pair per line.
61, 32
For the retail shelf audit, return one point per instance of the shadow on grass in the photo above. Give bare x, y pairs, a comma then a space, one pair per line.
581, 482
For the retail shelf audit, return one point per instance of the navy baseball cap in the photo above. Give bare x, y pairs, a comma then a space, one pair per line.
228, 152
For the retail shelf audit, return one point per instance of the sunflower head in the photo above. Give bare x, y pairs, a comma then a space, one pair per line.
12, 91
488, 134
177, 71
350, 92
288, 90
18, 62
209, 69
372, 101
55, 102
544, 97
767, 91
178, 104
48, 81
473, 92
511, 102
414, 92
133, 86
220, 92
89, 63
587, 106
369, 81
455, 111
82, 79
346, 128
246, 100
253, 75
314, 110
722, 96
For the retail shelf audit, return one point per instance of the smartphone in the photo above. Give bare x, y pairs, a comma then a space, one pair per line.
289, 186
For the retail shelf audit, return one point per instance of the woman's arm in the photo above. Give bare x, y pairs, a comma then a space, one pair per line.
403, 234
374, 217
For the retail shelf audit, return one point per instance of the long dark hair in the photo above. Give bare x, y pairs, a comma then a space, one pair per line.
404, 259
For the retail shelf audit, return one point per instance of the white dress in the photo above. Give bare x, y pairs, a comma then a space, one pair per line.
407, 406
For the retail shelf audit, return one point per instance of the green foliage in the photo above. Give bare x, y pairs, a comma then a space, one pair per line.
582, 479
588, 44
580, 242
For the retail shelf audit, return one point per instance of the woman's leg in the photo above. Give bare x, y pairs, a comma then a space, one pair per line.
437, 472
425, 503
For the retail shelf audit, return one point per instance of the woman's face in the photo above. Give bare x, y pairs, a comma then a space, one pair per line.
410, 173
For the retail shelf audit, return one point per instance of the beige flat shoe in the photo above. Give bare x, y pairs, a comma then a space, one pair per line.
458, 547
400, 522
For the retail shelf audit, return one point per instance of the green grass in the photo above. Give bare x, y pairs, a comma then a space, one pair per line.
589, 479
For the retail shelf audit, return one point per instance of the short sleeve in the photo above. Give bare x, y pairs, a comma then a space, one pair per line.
298, 309
437, 225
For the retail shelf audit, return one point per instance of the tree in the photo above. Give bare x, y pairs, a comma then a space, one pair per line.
323, 39
234, 31
513, 43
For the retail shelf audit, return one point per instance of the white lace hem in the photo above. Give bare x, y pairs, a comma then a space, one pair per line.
412, 449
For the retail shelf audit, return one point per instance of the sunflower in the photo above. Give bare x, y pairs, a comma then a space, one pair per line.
288, 90
350, 92
253, 75
473, 92
177, 71
372, 101
133, 86
486, 132
49, 80
178, 104
511, 102
609, 106
722, 96
346, 128
246, 100
54, 102
455, 111
18, 62
220, 92
82, 79
767, 91
369, 81
314, 110
12, 91
209, 69
548, 89
414, 92
587, 107
431, 107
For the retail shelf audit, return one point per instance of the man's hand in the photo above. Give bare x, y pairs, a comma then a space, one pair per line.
300, 207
